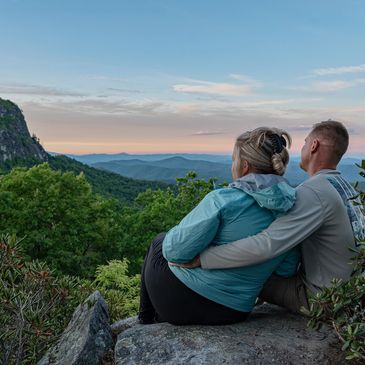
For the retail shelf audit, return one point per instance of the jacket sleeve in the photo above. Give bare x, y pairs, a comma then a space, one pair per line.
194, 233
284, 233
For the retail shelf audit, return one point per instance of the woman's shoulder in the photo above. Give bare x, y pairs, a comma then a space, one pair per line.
227, 191
226, 195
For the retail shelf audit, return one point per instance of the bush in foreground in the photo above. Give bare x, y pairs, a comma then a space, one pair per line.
35, 306
120, 291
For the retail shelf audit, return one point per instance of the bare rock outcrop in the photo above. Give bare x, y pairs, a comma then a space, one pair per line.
15, 140
270, 336
87, 338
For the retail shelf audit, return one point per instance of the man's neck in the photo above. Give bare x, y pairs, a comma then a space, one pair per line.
315, 169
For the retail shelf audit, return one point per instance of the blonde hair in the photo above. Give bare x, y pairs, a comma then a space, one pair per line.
264, 149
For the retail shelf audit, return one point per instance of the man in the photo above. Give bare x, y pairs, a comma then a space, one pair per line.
323, 220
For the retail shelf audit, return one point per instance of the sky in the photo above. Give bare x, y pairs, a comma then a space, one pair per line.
170, 76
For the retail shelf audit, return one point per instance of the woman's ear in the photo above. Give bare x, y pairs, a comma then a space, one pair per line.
245, 167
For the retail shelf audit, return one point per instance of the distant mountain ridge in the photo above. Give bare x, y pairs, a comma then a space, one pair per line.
104, 157
169, 168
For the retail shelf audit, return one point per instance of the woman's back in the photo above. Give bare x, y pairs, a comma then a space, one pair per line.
223, 216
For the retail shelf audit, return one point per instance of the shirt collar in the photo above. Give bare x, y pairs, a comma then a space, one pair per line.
327, 171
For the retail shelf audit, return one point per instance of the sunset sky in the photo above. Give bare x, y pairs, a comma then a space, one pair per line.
181, 75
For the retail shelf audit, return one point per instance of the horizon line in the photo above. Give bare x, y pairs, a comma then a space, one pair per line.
176, 153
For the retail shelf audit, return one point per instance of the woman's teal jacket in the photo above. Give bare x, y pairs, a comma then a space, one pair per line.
243, 209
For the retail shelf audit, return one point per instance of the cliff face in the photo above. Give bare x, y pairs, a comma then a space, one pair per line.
15, 140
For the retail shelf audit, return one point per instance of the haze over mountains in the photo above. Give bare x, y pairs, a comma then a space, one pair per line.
167, 167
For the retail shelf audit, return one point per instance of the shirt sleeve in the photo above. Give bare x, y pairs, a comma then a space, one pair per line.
194, 233
284, 233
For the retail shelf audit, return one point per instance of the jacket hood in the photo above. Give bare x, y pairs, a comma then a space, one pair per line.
270, 191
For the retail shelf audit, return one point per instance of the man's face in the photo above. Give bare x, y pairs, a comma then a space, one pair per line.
305, 153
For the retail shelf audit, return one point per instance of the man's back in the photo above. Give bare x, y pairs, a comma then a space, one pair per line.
326, 252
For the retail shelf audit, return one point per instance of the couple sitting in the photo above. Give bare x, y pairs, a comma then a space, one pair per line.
210, 268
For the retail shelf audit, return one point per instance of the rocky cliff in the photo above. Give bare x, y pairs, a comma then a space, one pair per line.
15, 140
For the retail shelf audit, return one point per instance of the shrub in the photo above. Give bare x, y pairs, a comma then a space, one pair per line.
120, 291
343, 304
35, 306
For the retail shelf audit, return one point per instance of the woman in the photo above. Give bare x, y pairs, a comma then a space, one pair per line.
256, 197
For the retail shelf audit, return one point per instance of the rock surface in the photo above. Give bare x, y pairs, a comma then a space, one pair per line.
87, 338
270, 336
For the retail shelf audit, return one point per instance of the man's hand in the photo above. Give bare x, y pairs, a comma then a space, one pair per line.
189, 265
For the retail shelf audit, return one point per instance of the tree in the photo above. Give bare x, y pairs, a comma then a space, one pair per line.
60, 220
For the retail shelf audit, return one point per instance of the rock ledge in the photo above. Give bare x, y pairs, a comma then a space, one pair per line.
270, 336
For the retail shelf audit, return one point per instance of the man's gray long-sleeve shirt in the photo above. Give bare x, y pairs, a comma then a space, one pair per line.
322, 220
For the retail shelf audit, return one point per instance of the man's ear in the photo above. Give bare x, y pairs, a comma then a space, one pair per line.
314, 145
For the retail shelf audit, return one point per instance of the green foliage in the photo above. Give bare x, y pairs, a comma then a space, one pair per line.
158, 211
343, 304
108, 184
8, 165
35, 306
61, 221
119, 290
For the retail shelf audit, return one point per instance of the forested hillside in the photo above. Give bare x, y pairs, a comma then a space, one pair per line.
106, 183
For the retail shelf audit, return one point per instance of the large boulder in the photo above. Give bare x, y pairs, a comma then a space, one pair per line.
270, 336
87, 338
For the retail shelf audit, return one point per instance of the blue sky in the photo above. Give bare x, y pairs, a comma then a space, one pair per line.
181, 76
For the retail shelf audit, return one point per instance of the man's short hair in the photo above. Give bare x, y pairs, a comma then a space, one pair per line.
336, 134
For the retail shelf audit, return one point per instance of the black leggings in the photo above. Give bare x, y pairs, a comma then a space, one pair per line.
166, 299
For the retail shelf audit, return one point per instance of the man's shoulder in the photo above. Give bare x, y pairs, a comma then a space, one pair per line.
322, 181
328, 187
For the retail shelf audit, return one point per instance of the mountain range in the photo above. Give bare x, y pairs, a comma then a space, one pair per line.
167, 167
